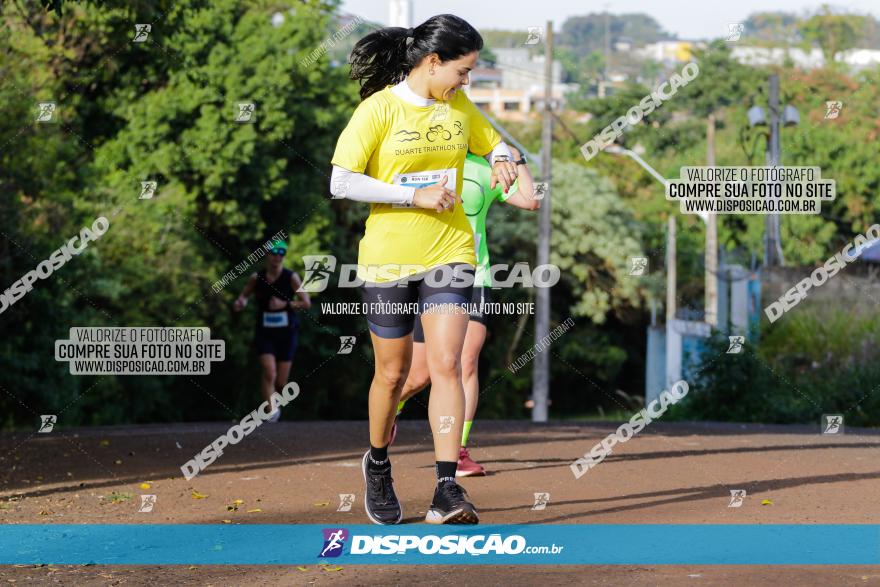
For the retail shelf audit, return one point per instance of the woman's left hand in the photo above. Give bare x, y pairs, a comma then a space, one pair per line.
503, 172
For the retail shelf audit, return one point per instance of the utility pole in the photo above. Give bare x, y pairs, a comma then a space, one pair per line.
541, 372
711, 253
673, 340
604, 81
772, 236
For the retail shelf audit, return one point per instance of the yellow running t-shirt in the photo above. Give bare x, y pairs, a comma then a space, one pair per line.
397, 142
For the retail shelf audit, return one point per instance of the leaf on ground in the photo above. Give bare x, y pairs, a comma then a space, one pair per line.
104, 442
227, 521
255, 510
321, 504
145, 485
303, 568
766, 502
197, 495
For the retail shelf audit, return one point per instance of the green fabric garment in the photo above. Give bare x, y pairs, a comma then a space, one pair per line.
477, 197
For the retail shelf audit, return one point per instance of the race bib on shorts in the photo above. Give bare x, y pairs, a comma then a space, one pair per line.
275, 319
421, 179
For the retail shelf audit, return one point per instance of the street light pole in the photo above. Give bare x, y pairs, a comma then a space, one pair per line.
541, 372
772, 237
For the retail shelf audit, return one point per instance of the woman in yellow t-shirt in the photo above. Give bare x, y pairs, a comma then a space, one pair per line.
403, 151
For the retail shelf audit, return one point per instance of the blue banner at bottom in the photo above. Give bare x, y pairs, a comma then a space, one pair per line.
586, 544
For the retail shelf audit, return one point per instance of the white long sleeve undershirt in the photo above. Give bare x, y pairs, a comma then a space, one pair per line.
363, 188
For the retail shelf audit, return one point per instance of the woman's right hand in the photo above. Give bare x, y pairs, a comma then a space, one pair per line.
239, 304
435, 197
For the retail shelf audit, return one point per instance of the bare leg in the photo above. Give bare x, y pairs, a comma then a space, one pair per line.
418, 378
470, 358
393, 357
283, 371
444, 339
267, 381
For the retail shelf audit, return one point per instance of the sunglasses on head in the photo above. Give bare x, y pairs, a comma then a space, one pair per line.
279, 252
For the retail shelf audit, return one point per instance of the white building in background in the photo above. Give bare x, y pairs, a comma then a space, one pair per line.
400, 13
861, 58
515, 86
671, 53
856, 59
668, 52
778, 56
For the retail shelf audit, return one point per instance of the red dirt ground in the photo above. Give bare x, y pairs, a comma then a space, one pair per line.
293, 472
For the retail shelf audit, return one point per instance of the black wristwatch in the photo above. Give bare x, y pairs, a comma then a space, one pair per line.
522, 161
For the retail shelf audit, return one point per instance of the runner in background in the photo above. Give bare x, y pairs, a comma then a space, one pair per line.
277, 327
477, 196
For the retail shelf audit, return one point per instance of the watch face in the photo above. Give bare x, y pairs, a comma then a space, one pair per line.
501, 158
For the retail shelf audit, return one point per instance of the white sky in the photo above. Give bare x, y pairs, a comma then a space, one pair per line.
686, 18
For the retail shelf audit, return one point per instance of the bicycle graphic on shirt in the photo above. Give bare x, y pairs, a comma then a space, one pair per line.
434, 133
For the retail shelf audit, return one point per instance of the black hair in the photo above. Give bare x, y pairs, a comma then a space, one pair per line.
386, 56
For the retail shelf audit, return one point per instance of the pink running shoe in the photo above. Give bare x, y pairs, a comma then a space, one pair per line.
467, 467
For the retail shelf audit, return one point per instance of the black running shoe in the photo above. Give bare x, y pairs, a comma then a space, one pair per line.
450, 506
380, 502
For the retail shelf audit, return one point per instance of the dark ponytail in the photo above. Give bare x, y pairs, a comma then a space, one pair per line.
386, 56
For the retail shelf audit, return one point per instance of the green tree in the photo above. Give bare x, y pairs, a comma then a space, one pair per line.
162, 110
833, 32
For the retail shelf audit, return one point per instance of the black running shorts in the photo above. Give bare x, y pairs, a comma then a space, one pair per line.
392, 307
479, 297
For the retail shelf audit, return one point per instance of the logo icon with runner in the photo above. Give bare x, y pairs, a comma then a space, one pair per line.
47, 111
832, 109
541, 190
440, 112
319, 268
832, 424
345, 502
245, 112
737, 496
346, 345
148, 189
541, 501
638, 265
141, 32
535, 34
47, 423
334, 541
147, 503
446, 423
735, 31
736, 344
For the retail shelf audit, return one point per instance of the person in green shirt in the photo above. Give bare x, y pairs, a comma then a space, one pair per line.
477, 197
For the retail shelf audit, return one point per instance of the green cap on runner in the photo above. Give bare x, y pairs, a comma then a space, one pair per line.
279, 245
